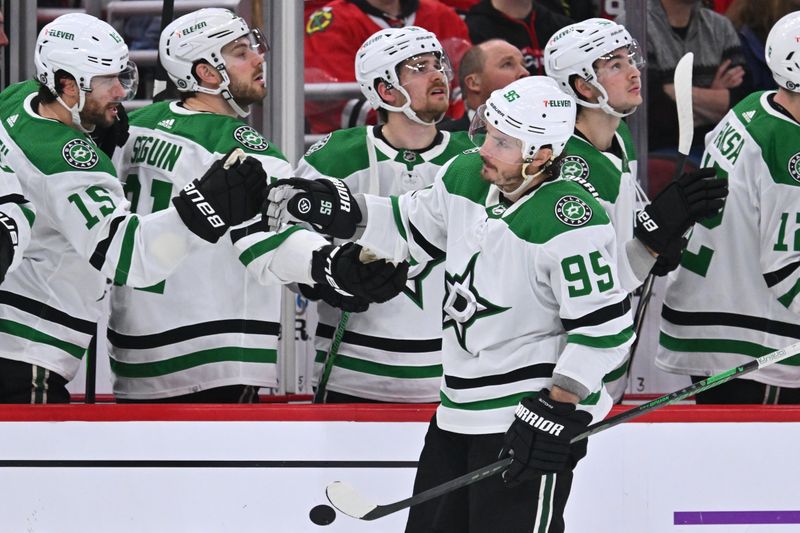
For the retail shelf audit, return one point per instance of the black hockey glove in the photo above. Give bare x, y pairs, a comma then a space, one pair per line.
229, 193
691, 198
326, 204
341, 268
538, 439
109, 138
669, 260
8, 242
326, 293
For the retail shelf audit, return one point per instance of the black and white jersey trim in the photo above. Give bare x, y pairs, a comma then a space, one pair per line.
773, 278
46, 312
99, 255
185, 333
381, 343
773, 327
541, 370
600, 316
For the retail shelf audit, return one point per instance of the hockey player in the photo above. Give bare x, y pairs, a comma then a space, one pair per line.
392, 351
534, 315
187, 339
598, 63
85, 232
735, 295
16, 218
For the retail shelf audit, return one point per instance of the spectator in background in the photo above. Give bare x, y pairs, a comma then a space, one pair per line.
335, 32
675, 27
461, 6
3, 36
485, 67
526, 25
753, 19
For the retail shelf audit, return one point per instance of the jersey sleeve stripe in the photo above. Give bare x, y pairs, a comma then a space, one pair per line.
432, 251
599, 316
193, 331
604, 341
398, 218
13, 198
540, 370
29, 214
45, 312
787, 298
99, 255
126, 252
265, 246
26, 332
240, 233
773, 278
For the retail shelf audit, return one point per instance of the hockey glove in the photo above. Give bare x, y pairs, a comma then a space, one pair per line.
8, 242
341, 268
539, 438
669, 260
693, 197
351, 304
109, 138
229, 193
326, 204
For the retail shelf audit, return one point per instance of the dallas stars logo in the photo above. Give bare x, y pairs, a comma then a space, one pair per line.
573, 211
794, 166
574, 167
463, 305
413, 287
250, 138
79, 154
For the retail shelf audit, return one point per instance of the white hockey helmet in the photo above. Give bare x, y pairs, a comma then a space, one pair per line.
378, 59
200, 36
783, 52
574, 50
533, 110
84, 47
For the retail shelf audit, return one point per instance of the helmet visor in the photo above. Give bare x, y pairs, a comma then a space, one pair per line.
493, 142
620, 60
424, 66
254, 41
128, 79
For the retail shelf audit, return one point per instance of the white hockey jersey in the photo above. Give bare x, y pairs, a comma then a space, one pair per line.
17, 214
210, 323
531, 290
84, 234
613, 180
735, 295
392, 351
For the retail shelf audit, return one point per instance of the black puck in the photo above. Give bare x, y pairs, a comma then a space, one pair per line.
322, 515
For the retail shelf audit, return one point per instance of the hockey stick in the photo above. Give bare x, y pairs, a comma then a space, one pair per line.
319, 395
161, 85
345, 498
683, 102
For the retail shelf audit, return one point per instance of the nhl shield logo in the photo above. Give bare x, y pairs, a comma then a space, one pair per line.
794, 167
250, 138
79, 154
573, 211
574, 167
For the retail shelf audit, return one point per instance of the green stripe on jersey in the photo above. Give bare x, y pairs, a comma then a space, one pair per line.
191, 360
27, 332
267, 245
750, 349
789, 297
381, 369
484, 405
614, 375
398, 219
126, 251
604, 341
29, 214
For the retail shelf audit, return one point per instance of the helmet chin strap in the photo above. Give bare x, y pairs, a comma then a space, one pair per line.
527, 179
75, 111
407, 111
602, 103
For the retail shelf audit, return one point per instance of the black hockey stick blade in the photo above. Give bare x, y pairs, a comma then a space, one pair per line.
346, 500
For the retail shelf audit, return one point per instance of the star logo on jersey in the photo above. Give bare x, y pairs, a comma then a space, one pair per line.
573, 211
317, 146
319, 20
413, 287
249, 137
80, 154
574, 167
794, 166
463, 305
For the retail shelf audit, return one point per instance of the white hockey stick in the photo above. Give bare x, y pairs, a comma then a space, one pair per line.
683, 102
348, 501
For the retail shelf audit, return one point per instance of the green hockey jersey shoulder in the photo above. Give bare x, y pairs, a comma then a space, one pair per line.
775, 135
340, 154
456, 143
582, 161
556, 207
49, 145
463, 177
214, 132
